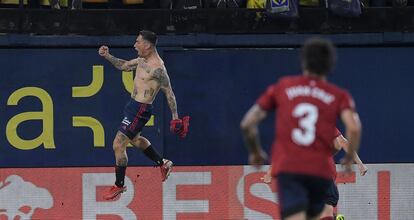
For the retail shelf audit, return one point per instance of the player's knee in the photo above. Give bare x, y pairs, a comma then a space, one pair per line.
141, 142
327, 211
119, 144
144, 142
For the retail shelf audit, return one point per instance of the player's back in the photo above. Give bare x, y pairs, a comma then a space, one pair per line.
307, 111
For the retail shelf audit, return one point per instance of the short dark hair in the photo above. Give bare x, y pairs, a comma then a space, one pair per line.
318, 56
149, 36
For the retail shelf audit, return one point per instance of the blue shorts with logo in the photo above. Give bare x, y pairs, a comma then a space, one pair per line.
136, 115
301, 193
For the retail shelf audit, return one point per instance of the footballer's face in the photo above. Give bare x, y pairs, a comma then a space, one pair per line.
141, 46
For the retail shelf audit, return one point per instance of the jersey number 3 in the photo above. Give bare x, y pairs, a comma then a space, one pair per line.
308, 115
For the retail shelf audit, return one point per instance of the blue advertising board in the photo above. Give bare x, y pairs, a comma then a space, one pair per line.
62, 106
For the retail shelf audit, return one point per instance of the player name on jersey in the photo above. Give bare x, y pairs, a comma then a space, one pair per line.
315, 92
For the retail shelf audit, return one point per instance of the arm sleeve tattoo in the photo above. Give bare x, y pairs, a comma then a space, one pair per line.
166, 88
120, 63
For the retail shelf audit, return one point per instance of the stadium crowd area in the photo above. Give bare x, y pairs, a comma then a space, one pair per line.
177, 4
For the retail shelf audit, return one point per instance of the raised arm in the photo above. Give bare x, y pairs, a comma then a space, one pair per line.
250, 131
126, 65
164, 80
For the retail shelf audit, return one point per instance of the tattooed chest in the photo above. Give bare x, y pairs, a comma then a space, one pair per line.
146, 75
144, 67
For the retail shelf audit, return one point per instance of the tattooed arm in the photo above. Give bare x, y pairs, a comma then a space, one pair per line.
250, 131
164, 80
118, 63
126, 65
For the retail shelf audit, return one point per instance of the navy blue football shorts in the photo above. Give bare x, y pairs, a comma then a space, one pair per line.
299, 192
136, 115
332, 194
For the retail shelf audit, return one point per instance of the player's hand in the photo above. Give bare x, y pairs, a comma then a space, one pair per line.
180, 126
257, 158
103, 51
266, 178
363, 169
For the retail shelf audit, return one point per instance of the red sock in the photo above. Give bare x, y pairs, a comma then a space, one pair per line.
327, 218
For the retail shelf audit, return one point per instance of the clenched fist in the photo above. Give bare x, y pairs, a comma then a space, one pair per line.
103, 51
